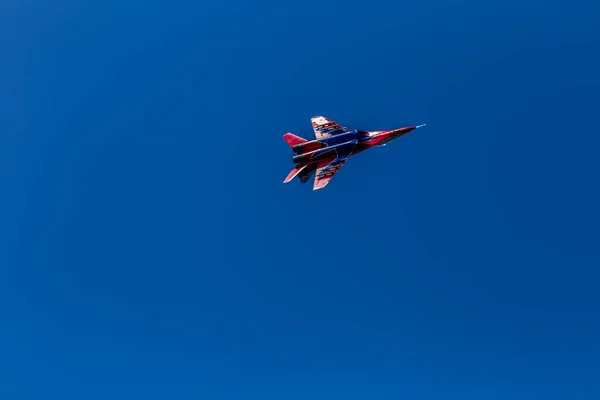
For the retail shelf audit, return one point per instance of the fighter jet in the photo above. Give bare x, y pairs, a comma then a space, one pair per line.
333, 146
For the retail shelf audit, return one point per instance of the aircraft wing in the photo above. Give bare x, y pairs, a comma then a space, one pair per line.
324, 127
327, 169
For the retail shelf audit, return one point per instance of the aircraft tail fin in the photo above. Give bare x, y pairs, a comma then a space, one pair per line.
293, 140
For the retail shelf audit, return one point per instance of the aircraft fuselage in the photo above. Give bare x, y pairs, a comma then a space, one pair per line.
327, 148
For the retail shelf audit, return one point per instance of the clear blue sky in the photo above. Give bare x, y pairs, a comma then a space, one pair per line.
150, 250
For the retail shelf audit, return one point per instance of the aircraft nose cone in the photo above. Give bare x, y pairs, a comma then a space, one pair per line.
402, 131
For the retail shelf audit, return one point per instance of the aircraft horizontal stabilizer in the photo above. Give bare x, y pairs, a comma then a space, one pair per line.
293, 140
293, 173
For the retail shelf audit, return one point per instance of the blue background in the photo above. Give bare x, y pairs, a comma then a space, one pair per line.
150, 249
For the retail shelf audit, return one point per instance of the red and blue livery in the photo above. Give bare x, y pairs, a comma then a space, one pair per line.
333, 146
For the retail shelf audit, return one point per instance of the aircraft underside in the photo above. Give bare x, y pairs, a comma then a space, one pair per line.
333, 146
